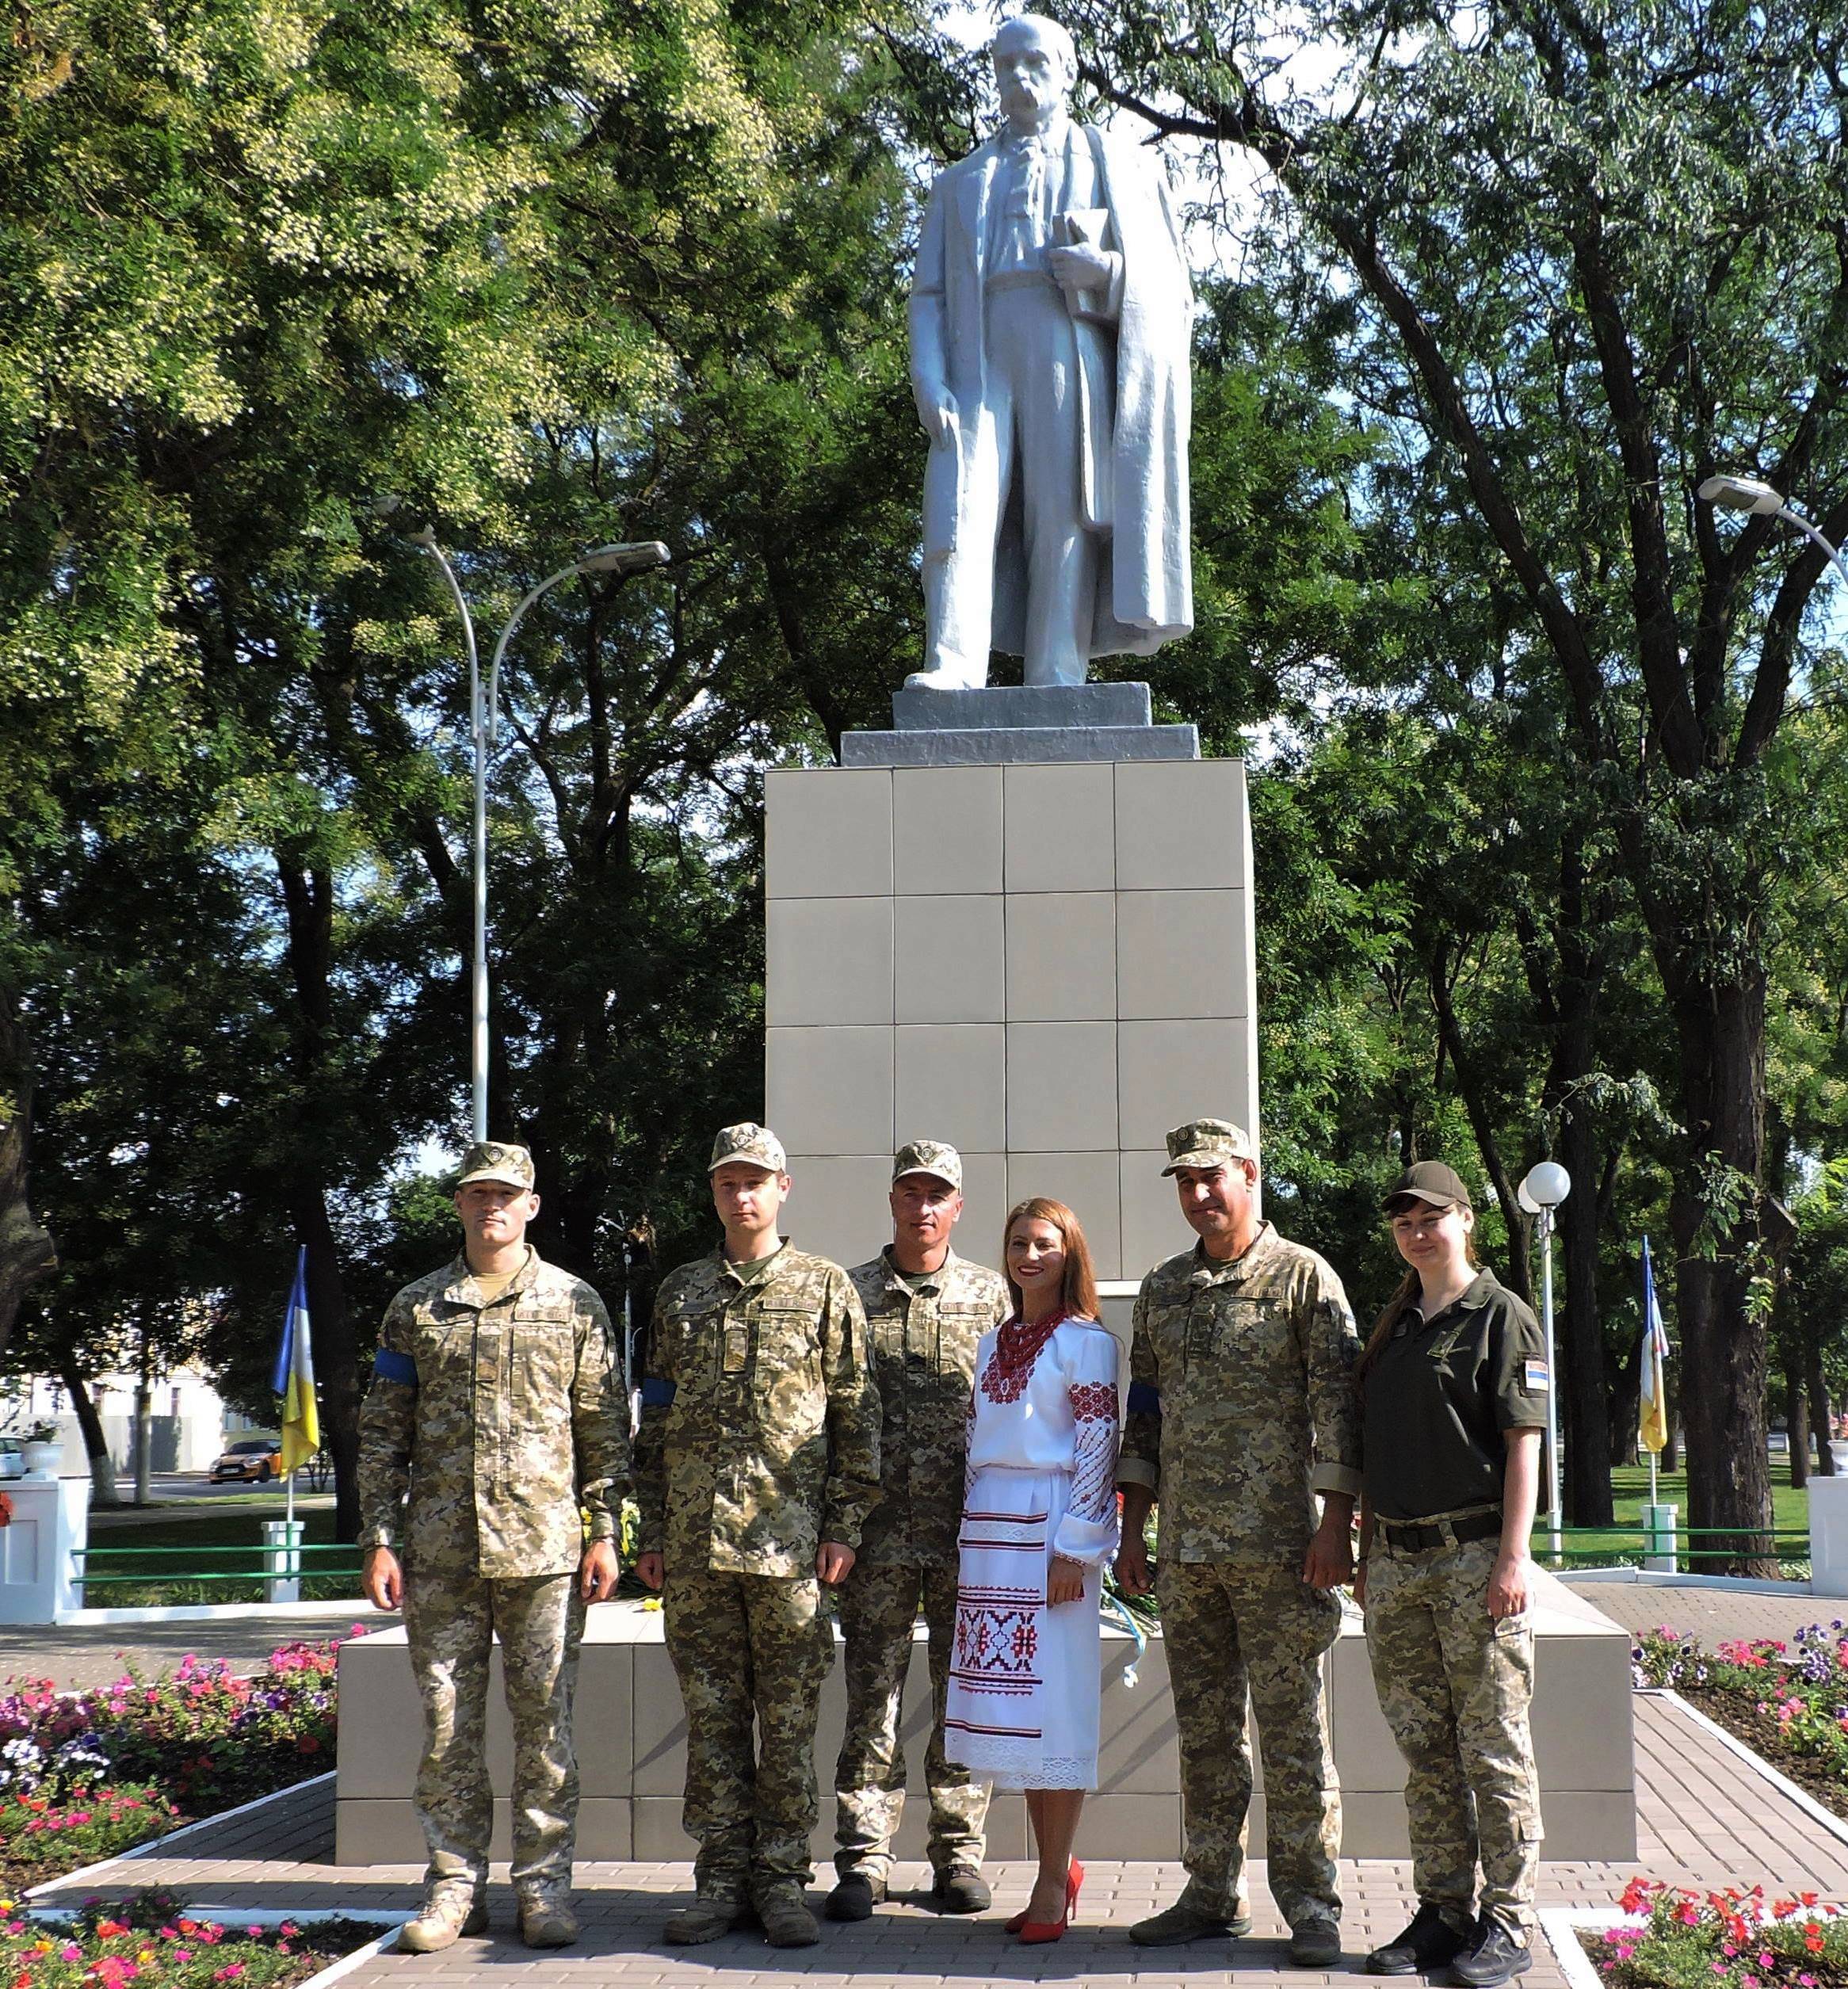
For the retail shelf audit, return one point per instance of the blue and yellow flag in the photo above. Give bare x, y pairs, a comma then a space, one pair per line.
294, 1378
1653, 1432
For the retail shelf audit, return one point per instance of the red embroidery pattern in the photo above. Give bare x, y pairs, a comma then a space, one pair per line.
995, 1647
1093, 1401
1017, 1346
1094, 1464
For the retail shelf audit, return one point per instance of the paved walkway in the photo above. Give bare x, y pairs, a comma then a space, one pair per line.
1704, 1817
1711, 1613
97, 1654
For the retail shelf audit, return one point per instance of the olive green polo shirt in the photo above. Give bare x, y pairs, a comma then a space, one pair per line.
1438, 1395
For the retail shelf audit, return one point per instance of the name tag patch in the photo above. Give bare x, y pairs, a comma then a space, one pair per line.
1534, 1377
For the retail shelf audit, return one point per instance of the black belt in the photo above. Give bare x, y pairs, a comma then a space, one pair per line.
1418, 1539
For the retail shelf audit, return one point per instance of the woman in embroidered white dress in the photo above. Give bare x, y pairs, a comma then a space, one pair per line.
1039, 1523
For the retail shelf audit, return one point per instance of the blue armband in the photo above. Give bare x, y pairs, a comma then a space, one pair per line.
659, 1395
395, 1367
1144, 1400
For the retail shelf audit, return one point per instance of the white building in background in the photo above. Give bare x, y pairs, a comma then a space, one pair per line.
192, 1422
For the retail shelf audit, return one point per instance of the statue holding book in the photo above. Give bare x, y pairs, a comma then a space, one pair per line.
1050, 317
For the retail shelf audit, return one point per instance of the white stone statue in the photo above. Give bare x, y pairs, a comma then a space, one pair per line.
1050, 320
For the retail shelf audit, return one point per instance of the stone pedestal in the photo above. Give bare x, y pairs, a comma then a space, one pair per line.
38, 1547
1046, 963
632, 1748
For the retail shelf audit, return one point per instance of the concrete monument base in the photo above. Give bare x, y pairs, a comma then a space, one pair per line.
632, 1748
1047, 965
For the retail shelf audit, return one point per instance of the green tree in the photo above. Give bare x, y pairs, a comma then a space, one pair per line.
1599, 256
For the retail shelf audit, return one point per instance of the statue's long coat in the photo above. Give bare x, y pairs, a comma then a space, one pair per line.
1145, 576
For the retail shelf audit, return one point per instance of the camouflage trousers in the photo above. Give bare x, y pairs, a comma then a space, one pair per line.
1232, 1629
452, 1618
748, 1650
879, 1612
1455, 1685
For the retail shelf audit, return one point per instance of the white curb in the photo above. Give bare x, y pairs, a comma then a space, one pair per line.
1562, 1926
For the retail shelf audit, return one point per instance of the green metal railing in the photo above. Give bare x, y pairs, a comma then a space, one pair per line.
1616, 1546
256, 1563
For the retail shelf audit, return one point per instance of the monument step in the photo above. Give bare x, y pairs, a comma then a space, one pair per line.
1001, 745
1040, 706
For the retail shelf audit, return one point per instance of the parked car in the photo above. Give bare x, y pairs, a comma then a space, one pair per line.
12, 1458
255, 1460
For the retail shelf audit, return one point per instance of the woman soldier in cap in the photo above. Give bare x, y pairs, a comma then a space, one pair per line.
1453, 1382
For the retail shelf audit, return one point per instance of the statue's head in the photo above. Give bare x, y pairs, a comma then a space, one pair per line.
1035, 64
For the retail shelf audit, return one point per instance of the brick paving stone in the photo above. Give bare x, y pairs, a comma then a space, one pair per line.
1777, 1609
1704, 1817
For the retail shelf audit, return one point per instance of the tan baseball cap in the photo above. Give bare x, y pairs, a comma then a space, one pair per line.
1208, 1143
494, 1160
928, 1157
752, 1146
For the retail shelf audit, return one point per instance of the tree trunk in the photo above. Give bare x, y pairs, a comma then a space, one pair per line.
1817, 1393
1624, 1391
1721, 1042
1585, 1406
1797, 1424
26, 1250
144, 1423
307, 895
102, 1466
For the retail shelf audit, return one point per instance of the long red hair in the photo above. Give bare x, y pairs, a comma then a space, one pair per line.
1078, 1295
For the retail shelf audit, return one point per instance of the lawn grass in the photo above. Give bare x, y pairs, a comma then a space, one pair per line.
144, 1551
1630, 1494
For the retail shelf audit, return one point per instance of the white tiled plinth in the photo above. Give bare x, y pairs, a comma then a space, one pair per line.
1049, 966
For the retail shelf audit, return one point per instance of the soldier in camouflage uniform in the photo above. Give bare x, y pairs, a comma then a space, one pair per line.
926, 1309
1241, 1411
1453, 1387
497, 1403
756, 1464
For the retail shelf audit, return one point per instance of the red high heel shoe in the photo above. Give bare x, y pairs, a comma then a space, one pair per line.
1035, 1932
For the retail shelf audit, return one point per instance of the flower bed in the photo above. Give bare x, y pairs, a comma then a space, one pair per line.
149, 1939
85, 1775
1788, 1701
1731, 1940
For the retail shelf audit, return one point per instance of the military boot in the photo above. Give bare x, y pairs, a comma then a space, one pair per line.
451, 1908
787, 1921
1190, 1918
546, 1918
704, 1917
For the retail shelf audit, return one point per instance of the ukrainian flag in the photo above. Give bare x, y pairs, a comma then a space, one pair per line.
1654, 1420
294, 1378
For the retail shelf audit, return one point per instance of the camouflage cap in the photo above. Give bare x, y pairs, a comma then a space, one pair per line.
1208, 1143
928, 1157
753, 1146
495, 1160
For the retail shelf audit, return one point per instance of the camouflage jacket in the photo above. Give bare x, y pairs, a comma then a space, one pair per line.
924, 1331
500, 1420
1241, 1400
759, 1437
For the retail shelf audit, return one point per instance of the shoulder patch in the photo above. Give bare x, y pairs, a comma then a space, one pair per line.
1534, 1378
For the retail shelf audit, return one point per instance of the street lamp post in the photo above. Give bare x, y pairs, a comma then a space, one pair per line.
1747, 494
1546, 1185
634, 556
